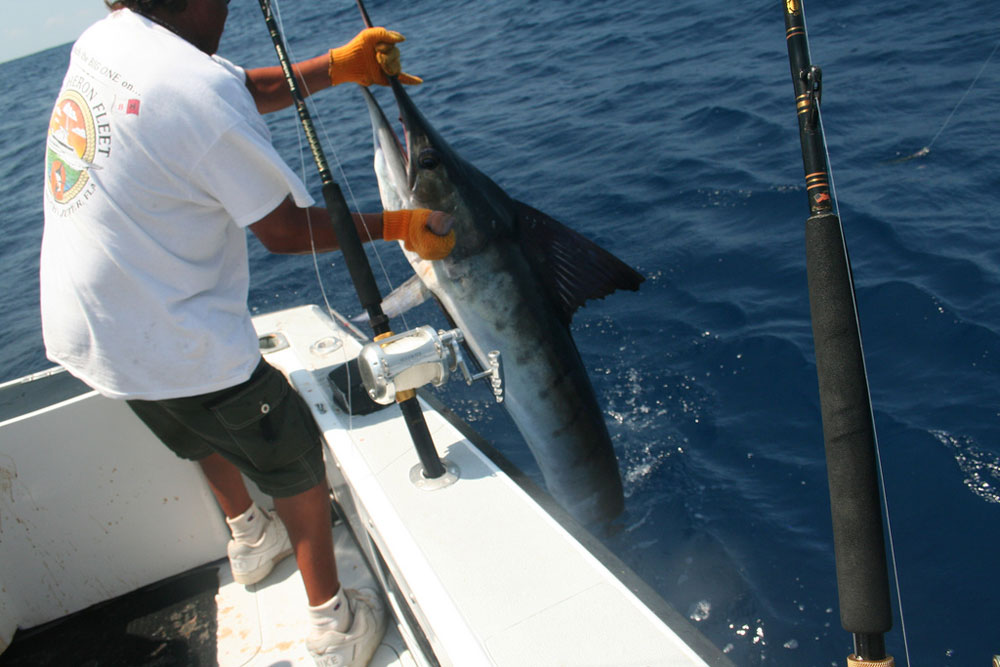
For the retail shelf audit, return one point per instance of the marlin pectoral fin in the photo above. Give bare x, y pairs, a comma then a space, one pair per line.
573, 267
409, 295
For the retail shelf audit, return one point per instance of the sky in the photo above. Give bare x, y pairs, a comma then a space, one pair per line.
30, 26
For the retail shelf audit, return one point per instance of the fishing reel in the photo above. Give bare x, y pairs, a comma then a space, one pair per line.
417, 357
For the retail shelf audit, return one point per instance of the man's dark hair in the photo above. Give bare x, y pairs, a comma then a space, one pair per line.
146, 6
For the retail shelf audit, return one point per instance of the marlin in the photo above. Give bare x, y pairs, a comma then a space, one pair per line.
512, 283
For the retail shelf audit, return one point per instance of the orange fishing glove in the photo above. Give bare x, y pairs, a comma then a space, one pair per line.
411, 228
368, 59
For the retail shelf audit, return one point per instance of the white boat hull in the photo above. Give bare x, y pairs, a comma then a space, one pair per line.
479, 571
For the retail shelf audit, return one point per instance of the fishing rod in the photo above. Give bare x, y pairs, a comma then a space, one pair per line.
364, 14
354, 255
845, 404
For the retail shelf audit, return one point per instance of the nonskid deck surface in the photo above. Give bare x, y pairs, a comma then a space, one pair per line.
201, 617
265, 624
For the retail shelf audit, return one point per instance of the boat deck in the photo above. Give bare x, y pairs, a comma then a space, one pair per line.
201, 617
485, 570
494, 577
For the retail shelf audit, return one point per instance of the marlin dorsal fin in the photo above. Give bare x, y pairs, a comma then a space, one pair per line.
573, 267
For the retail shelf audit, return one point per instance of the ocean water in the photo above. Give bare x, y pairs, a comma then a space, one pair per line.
667, 133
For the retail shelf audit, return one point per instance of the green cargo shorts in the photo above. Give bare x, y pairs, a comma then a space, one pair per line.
262, 426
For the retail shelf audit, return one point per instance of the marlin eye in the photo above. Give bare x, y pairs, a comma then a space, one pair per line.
428, 159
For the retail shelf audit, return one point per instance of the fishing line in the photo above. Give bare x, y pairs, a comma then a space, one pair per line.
878, 451
355, 206
927, 149
892, 552
344, 223
333, 314
309, 223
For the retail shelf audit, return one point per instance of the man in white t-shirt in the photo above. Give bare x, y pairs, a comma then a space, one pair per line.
157, 160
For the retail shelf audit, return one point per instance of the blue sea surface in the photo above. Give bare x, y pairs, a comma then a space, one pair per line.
667, 132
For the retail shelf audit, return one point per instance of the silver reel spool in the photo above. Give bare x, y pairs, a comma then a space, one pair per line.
417, 357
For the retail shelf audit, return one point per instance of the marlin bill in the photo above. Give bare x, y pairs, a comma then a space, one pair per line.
512, 283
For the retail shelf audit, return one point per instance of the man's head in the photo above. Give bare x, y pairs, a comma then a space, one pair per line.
146, 6
198, 21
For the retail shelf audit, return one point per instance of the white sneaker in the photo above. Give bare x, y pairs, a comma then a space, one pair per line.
252, 562
355, 647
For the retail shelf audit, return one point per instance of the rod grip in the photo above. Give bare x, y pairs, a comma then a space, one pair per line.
848, 431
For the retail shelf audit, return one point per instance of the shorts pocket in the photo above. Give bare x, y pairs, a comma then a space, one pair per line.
253, 403
267, 425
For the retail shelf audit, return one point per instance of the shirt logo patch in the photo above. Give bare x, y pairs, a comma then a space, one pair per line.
72, 145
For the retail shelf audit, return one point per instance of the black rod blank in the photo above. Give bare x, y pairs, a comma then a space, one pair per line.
848, 425
354, 254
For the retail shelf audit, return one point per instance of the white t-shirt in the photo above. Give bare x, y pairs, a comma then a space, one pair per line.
157, 159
